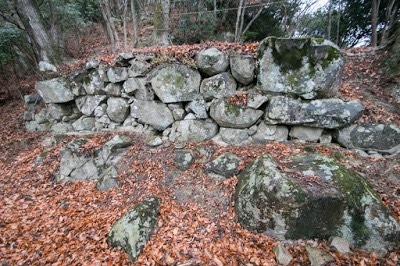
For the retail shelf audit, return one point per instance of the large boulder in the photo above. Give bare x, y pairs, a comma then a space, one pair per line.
327, 199
117, 74
134, 229
325, 113
93, 83
192, 130
242, 67
84, 123
307, 67
155, 114
117, 109
371, 137
139, 68
54, 90
228, 113
212, 61
218, 86
87, 104
175, 83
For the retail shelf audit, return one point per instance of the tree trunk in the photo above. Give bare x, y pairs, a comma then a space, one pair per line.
329, 20
161, 23
135, 24
109, 25
374, 22
392, 10
238, 19
252, 20
44, 47
124, 22
338, 24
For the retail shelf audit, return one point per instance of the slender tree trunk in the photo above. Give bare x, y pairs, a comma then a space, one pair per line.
392, 10
161, 23
329, 19
374, 22
252, 20
338, 24
110, 26
215, 15
44, 46
124, 22
238, 16
135, 24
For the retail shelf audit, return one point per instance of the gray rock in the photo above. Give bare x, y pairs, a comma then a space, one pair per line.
34, 126
155, 114
178, 114
71, 158
175, 83
153, 141
190, 116
93, 84
133, 84
84, 123
306, 67
47, 67
234, 136
100, 110
212, 61
126, 56
32, 98
282, 255
88, 171
111, 152
183, 159
218, 86
266, 133
138, 68
91, 64
312, 134
252, 130
198, 107
340, 245
325, 138
61, 127
135, 228
230, 114
117, 74
326, 113
54, 90
58, 110
107, 179
242, 67
192, 130
318, 257
117, 109
130, 121
255, 100
225, 165
113, 89
371, 137
87, 104
41, 117
339, 203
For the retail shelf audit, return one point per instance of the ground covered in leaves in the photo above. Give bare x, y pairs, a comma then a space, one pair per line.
47, 222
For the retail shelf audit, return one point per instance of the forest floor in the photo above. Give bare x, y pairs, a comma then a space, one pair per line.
47, 222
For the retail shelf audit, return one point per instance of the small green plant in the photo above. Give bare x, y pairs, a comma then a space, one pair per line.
338, 155
309, 149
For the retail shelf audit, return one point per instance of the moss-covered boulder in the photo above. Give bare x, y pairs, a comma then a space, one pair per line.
307, 67
313, 197
135, 228
233, 114
175, 83
212, 61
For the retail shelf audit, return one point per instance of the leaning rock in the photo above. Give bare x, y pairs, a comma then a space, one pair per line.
175, 83
282, 255
266, 133
318, 257
54, 90
306, 133
135, 228
231, 114
84, 123
198, 107
339, 203
242, 67
225, 165
117, 109
87, 104
371, 137
218, 86
155, 114
117, 74
183, 159
341, 245
307, 67
212, 61
193, 130
326, 113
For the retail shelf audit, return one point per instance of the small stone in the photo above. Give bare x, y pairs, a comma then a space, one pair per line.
183, 159
282, 255
318, 257
225, 165
325, 138
153, 141
340, 244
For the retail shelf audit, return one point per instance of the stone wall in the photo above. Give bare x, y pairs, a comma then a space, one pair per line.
287, 92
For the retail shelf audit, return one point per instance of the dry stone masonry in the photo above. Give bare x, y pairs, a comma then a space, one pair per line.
287, 92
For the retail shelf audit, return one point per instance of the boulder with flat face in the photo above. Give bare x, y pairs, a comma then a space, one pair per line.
307, 67
218, 86
117, 109
155, 114
193, 130
242, 67
212, 61
54, 90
